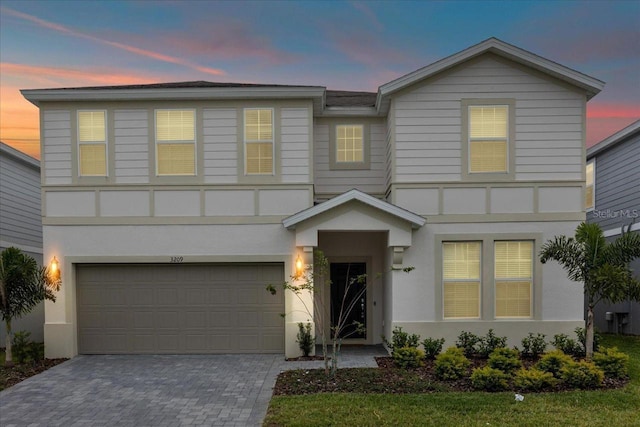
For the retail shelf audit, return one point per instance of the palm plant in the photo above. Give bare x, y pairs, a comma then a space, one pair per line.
602, 267
22, 286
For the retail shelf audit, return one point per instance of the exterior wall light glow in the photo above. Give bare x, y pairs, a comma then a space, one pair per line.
299, 267
54, 269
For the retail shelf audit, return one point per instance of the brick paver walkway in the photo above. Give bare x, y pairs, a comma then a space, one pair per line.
172, 390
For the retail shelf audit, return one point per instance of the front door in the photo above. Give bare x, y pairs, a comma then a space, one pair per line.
347, 292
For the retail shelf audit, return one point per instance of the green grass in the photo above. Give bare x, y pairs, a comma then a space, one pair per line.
608, 408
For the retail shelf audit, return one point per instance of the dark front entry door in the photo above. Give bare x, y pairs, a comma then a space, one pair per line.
345, 291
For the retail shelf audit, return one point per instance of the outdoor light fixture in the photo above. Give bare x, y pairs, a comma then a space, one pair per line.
299, 267
54, 269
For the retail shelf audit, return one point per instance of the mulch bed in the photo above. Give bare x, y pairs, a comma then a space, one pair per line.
12, 375
386, 378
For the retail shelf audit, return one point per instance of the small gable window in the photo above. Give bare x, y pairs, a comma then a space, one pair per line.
349, 144
488, 138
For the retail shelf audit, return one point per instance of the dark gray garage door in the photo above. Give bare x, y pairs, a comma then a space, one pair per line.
185, 308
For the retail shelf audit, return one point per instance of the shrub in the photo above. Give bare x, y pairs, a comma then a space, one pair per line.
582, 338
568, 345
432, 347
408, 357
613, 363
305, 339
401, 339
553, 362
505, 359
24, 350
533, 345
452, 364
467, 342
489, 379
582, 374
533, 380
490, 342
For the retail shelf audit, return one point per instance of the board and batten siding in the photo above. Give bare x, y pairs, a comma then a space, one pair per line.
331, 182
617, 193
56, 155
548, 128
131, 138
220, 129
295, 145
20, 218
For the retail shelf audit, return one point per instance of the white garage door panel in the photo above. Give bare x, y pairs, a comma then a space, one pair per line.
179, 309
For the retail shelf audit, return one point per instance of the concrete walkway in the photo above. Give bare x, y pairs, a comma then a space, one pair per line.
191, 390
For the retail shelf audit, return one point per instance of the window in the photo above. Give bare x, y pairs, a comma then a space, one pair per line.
175, 142
258, 141
92, 143
590, 194
461, 277
488, 138
349, 144
513, 278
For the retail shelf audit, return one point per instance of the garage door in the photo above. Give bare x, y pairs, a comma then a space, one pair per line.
186, 308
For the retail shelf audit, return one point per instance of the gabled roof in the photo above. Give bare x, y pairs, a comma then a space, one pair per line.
19, 156
416, 220
589, 84
614, 139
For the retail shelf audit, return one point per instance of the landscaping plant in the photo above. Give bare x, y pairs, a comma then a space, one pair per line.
583, 374
305, 338
613, 363
490, 342
505, 359
452, 364
533, 345
408, 357
602, 267
23, 285
553, 362
467, 342
489, 379
533, 379
432, 347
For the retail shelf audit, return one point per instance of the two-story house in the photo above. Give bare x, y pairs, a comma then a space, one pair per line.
21, 223
170, 206
613, 202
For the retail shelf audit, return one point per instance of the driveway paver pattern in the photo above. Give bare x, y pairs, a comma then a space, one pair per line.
156, 390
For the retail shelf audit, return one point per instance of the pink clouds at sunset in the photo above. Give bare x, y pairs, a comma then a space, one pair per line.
340, 45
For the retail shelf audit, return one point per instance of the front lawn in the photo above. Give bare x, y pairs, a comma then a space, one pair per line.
619, 407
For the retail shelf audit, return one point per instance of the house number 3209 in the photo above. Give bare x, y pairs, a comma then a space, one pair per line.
177, 259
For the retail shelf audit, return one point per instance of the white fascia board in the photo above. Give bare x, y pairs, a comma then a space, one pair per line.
416, 220
590, 84
613, 139
36, 96
618, 231
350, 112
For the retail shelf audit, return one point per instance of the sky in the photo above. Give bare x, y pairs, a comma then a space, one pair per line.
342, 45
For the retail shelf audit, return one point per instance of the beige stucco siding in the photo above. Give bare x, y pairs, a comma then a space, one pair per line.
548, 122
56, 147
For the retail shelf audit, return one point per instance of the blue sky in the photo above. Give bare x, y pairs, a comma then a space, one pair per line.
355, 45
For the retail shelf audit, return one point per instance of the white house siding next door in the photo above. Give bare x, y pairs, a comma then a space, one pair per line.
185, 308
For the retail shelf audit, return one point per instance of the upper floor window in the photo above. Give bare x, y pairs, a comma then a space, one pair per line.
513, 278
590, 194
258, 141
461, 279
349, 144
175, 142
92, 143
488, 138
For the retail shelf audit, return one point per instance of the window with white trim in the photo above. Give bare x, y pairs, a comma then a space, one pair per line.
589, 193
461, 273
488, 138
258, 141
175, 142
513, 278
349, 144
92, 143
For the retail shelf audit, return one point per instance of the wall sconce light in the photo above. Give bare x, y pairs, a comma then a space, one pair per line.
299, 267
54, 269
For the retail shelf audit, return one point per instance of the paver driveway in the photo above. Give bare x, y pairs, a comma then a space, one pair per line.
208, 390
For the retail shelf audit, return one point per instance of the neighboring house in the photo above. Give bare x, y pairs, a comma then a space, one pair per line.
21, 223
613, 202
170, 206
